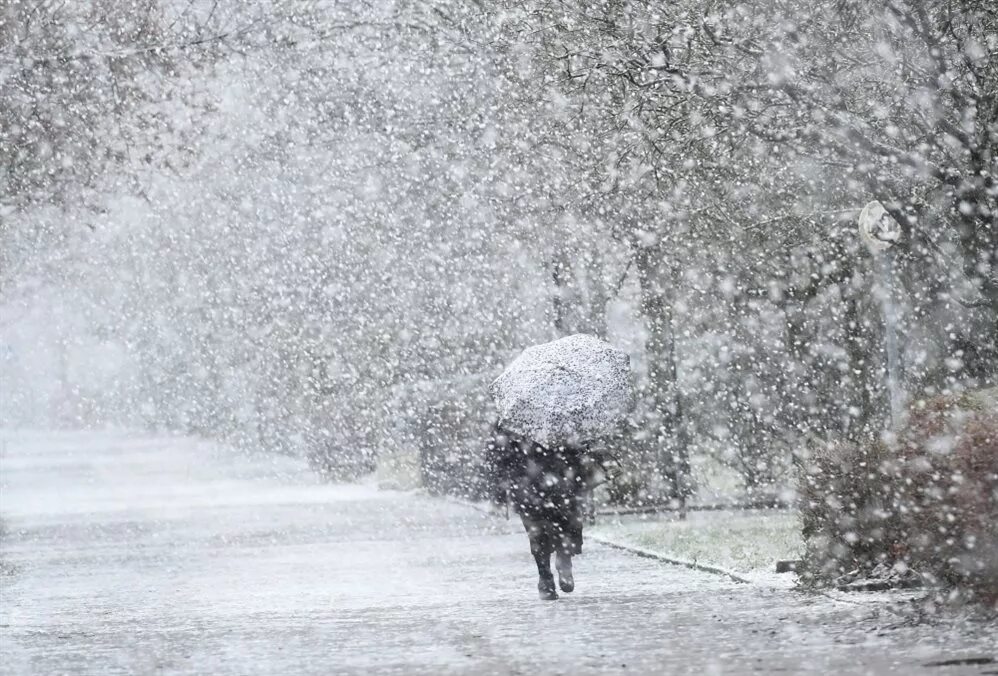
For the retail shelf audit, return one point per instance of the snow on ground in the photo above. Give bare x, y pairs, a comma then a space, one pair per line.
165, 555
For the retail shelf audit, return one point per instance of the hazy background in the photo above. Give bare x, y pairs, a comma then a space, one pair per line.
320, 228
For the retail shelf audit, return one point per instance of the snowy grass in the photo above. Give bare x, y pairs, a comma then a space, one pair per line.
748, 543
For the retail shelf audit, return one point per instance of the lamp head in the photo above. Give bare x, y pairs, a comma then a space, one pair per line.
877, 228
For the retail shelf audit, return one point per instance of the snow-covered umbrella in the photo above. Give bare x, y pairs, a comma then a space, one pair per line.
570, 390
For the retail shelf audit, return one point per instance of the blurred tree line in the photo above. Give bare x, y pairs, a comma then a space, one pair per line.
321, 229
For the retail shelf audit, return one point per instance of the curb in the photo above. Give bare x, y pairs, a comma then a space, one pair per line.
649, 554
637, 551
758, 506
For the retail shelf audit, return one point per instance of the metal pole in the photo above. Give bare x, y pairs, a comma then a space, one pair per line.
891, 340
881, 233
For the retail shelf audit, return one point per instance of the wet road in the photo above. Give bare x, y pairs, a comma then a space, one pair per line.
165, 555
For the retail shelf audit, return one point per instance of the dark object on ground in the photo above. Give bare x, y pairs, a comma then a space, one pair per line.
963, 661
787, 566
881, 578
547, 488
928, 502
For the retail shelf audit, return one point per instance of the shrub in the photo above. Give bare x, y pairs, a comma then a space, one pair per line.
947, 485
847, 513
929, 501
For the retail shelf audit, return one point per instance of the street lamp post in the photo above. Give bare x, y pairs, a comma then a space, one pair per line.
881, 233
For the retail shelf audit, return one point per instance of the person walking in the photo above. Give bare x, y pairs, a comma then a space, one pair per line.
547, 488
553, 402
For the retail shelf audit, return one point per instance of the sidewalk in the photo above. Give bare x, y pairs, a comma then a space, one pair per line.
138, 555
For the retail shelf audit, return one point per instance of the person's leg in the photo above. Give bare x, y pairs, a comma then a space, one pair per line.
569, 543
541, 547
563, 563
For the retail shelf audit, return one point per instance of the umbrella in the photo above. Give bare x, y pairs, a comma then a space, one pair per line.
570, 390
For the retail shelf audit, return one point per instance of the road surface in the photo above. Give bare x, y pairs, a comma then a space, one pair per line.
165, 555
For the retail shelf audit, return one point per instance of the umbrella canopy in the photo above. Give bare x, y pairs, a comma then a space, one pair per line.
571, 390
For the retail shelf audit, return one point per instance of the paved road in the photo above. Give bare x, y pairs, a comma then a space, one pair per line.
169, 556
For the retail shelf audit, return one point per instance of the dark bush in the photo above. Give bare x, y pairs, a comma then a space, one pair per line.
335, 462
847, 510
451, 438
928, 501
947, 478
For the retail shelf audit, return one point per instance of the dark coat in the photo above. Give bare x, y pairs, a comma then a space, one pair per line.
544, 486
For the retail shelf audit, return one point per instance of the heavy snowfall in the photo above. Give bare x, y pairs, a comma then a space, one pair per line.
327, 328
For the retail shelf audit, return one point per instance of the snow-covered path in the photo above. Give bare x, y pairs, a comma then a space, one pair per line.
169, 556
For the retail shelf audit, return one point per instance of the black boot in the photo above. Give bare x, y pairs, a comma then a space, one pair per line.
546, 590
563, 562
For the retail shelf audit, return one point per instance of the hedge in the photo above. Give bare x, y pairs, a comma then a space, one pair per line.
928, 501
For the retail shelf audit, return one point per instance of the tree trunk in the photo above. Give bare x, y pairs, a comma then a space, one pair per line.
580, 294
861, 365
661, 389
597, 295
561, 274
